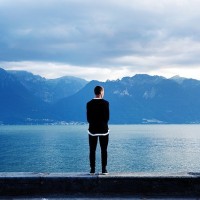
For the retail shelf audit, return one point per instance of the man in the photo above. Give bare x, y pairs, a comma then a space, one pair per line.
98, 117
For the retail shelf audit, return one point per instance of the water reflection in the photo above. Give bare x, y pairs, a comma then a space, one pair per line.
132, 148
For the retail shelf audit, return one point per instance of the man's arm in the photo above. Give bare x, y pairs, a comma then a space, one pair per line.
88, 113
107, 112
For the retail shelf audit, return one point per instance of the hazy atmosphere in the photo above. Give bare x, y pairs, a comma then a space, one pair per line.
101, 40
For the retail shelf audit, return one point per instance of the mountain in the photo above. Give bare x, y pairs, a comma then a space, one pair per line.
49, 90
17, 104
30, 99
139, 99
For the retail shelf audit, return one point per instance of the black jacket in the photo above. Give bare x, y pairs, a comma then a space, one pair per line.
98, 116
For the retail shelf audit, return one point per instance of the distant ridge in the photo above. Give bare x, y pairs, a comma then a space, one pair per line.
141, 99
49, 90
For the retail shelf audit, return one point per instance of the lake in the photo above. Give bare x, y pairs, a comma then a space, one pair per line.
132, 148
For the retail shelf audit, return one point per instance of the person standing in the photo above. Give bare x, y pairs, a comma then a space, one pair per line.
98, 117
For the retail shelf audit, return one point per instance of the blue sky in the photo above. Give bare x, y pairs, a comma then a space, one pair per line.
101, 40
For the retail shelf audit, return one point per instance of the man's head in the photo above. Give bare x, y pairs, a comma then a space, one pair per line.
99, 91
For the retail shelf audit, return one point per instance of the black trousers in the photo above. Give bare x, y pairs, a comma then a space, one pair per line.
93, 145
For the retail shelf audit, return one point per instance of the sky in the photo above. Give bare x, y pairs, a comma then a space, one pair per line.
101, 39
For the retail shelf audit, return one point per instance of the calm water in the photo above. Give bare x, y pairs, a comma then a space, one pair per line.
132, 148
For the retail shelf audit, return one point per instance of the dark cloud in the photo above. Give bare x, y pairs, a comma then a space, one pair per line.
148, 33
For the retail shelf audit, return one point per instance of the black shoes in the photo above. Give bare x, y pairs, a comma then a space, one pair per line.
104, 171
92, 171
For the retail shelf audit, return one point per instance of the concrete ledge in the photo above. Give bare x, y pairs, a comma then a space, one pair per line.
114, 184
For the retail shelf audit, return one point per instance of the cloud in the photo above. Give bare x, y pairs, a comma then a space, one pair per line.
56, 70
101, 37
182, 52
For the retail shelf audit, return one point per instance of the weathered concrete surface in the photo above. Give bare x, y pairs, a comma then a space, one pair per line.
114, 184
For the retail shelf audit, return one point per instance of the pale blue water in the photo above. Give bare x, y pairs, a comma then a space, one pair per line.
132, 148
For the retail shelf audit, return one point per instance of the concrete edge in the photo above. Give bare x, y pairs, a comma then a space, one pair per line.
99, 175
183, 184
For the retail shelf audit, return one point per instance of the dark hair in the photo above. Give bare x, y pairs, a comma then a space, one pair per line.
97, 90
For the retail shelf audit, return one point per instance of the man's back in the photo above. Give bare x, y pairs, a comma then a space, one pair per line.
98, 115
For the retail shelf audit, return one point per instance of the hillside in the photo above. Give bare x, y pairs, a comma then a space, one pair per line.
27, 98
140, 99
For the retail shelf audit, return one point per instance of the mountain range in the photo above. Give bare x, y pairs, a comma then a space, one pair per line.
142, 99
